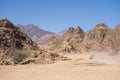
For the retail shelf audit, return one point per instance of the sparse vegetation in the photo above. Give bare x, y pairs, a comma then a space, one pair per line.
18, 55
53, 55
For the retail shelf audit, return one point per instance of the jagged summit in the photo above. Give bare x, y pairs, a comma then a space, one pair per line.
70, 28
12, 37
74, 30
5, 23
117, 27
79, 30
101, 25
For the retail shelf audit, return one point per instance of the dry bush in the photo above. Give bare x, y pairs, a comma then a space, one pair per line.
18, 55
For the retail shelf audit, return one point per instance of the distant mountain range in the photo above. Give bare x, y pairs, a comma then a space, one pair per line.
35, 33
100, 38
16, 47
22, 37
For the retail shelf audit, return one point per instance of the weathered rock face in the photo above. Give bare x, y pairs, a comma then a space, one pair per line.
68, 42
74, 35
116, 49
51, 42
17, 48
101, 38
117, 35
12, 37
71, 39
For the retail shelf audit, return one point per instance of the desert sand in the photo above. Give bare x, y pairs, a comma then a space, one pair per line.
78, 68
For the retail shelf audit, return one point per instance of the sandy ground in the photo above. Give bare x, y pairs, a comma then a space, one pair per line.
79, 68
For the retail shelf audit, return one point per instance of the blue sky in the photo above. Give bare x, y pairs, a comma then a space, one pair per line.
57, 15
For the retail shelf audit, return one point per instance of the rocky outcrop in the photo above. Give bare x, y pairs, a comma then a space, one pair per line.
101, 38
71, 39
74, 35
117, 35
68, 41
12, 37
116, 49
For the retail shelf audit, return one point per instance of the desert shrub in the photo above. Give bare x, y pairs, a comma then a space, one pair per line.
19, 56
53, 55
49, 55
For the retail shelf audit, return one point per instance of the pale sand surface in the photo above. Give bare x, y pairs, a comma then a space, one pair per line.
79, 68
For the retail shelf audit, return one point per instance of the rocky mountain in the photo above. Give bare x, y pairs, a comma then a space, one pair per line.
71, 38
17, 48
12, 37
101, 38
68, 40
35, 33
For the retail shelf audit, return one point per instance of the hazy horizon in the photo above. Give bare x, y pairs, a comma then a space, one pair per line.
57, 15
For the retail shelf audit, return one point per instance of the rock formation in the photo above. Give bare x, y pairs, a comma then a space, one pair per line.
17, 48
12, 37
101, 38
71, 39
68, 41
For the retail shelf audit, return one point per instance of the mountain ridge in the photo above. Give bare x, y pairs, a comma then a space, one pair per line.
35, 33
100, 38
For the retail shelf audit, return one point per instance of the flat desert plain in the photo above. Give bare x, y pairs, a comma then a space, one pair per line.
78, 68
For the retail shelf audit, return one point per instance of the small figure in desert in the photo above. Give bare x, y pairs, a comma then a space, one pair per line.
91, 57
